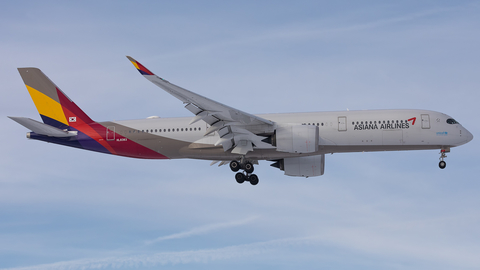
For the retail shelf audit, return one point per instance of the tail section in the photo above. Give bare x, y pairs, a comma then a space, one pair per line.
55, 108
66, 124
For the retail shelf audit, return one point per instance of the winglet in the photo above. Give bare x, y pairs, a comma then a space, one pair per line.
143, 70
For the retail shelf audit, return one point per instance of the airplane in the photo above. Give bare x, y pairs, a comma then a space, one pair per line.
296, 143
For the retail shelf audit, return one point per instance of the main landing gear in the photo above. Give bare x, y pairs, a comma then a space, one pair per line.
246, 175
442, 164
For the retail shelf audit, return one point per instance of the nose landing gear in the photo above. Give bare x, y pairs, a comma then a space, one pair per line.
442, 164
247, 175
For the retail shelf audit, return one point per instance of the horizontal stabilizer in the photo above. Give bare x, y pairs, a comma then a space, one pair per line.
41, 128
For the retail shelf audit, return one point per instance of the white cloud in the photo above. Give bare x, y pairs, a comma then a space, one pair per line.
379, 242
202, 230
162, 258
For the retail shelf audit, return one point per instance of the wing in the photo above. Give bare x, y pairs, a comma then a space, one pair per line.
237, 129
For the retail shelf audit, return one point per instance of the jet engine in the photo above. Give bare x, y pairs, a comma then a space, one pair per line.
302, 166
298, 139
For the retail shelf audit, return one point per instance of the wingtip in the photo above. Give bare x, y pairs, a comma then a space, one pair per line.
143, 70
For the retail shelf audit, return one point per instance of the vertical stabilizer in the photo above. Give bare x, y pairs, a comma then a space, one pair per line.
55, 108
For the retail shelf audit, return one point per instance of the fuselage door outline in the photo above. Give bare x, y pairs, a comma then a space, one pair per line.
342, 123
110, 133
425, 121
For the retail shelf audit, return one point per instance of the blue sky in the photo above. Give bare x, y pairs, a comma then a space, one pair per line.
63, 208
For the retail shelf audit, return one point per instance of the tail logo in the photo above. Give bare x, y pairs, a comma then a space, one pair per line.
72, 119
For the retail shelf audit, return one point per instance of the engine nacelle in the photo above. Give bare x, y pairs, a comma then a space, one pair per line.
302, 166
297, 138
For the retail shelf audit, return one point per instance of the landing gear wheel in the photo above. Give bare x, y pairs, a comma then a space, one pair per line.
240, 177
442, 164
235, 166
253, 179
248, 167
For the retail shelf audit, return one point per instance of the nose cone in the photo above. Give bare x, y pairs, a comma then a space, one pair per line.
468, 136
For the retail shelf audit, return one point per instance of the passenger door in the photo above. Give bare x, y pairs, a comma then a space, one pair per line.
425, 121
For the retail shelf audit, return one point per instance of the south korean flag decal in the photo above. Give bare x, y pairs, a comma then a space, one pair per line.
72, 119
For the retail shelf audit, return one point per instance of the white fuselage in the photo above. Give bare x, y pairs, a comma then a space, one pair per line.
345, 131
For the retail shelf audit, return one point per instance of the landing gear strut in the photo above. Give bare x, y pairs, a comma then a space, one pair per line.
247, 175
442, 164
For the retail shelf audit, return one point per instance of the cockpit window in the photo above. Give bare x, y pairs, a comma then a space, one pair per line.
451, 121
